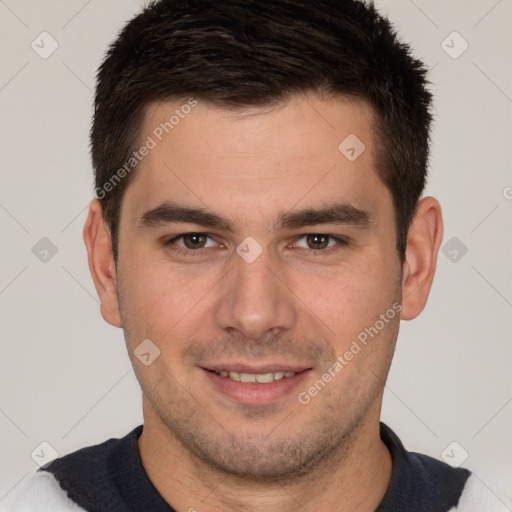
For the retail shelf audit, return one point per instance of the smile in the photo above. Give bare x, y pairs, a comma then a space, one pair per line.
256, 378
256, 385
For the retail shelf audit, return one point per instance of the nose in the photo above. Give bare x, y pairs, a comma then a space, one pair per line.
255, 299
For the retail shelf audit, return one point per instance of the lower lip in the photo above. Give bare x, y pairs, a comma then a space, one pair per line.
254, 393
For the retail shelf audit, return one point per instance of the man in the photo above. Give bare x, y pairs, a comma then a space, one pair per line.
258, 232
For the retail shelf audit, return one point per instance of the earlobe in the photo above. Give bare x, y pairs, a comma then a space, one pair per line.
423, 242
101, 263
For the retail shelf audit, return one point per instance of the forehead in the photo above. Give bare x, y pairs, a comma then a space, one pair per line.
309, 150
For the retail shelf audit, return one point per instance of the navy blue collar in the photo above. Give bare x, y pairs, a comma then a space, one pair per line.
110, 477
419, 483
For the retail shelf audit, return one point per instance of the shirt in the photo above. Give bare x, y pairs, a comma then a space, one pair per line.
110, 477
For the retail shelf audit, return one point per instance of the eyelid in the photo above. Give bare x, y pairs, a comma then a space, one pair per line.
304, 237
171, 245
178, 237
341, 241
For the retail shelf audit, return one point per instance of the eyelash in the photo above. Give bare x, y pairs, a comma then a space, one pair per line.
341, 242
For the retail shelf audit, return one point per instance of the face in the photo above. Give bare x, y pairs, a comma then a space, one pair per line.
251, 248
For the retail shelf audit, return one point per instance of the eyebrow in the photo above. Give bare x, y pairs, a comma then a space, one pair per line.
168, 213
339, 213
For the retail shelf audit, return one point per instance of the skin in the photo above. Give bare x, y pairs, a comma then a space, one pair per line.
293, 304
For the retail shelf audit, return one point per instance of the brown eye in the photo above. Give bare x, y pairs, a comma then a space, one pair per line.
192, 244
320, 242
315, 241
194, 240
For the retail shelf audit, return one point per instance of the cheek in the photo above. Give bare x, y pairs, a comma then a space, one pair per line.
348, 298
157, 297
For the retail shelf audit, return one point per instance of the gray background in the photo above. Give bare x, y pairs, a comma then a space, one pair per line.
65, 377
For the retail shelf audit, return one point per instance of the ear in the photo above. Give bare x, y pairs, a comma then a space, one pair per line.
423, 242
101, 263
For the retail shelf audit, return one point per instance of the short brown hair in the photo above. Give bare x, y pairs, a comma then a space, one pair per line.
239, 53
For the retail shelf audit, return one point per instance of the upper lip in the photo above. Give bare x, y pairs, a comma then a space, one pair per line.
256, 369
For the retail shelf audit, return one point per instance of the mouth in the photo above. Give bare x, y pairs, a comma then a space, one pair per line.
255, 385
256, 378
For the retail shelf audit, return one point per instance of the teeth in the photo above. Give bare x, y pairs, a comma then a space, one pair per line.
261, 378
247, 377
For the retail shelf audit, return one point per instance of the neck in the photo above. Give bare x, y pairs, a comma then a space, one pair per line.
354, 478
